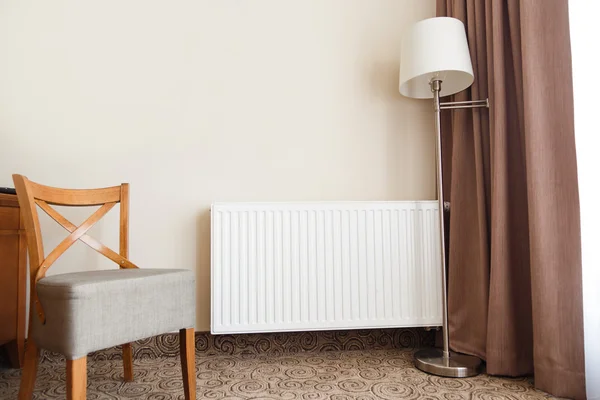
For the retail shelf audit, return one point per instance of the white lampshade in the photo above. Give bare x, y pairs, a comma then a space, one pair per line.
435, 48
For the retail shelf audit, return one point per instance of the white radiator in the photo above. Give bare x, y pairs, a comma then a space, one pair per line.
315, 266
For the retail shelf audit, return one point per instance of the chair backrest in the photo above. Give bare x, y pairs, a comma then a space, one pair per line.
32, 195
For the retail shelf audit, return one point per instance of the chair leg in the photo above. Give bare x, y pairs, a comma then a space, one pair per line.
30, 367
76, 378
187, 349
127, 362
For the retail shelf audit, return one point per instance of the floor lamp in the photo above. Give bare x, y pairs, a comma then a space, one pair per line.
435, 62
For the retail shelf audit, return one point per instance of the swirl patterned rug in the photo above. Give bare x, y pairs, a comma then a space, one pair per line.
326, 365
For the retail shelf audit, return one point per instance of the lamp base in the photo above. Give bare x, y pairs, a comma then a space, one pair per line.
456, 366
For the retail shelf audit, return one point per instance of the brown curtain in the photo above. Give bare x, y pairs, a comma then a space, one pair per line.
515, 289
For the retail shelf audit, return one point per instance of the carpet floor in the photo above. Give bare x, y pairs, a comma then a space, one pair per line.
337, 374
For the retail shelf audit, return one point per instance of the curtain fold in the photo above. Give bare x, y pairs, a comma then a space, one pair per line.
514, 270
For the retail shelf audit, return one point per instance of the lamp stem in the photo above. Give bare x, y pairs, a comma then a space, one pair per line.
436, 86
436, 361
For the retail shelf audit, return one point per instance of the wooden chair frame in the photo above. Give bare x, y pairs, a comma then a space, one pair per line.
31, 195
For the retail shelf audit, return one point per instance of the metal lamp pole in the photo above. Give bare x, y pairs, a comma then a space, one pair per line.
434, 361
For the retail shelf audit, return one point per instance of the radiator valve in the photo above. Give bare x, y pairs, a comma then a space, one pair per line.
432, 328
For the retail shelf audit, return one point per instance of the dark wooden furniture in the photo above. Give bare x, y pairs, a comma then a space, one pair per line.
13, 275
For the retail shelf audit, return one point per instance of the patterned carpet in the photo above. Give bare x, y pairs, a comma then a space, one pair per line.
327, 365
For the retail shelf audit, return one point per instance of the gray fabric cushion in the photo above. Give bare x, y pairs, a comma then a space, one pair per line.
89, 311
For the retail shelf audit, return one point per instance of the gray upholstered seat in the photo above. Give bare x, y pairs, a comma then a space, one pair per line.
89, 311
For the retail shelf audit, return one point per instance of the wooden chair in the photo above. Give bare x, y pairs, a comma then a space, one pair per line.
81, 312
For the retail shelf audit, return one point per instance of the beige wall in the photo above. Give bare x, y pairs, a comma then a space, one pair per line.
200, 101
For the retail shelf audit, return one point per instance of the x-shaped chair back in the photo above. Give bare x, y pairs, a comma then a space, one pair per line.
32, 195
